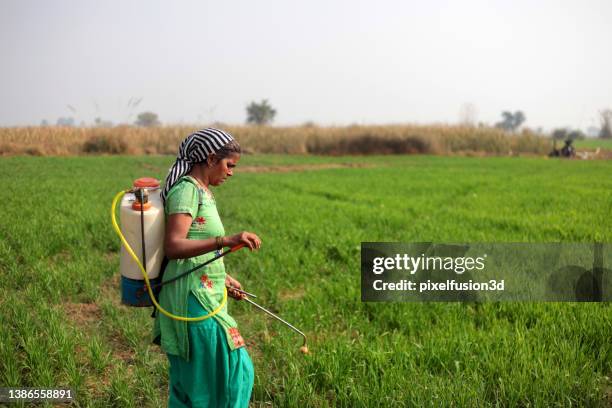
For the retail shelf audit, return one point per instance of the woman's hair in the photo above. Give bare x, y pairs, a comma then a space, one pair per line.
231, 147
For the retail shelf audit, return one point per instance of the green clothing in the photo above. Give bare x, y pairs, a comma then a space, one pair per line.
207, 285
214, 376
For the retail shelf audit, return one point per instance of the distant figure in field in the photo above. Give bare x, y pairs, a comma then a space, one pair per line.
566, 151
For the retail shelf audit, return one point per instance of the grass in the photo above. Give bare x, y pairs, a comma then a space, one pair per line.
604, 144
61, 323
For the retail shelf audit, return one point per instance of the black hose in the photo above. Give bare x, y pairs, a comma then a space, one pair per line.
221, 255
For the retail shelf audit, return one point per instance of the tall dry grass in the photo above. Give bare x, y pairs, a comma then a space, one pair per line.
391, 139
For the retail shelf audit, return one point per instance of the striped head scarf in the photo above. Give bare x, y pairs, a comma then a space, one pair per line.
195, 149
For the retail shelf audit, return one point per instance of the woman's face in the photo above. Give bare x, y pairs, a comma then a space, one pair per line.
222, 169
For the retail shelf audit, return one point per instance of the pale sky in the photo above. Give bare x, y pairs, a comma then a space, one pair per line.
330, 62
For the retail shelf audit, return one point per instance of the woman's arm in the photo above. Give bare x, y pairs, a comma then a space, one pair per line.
177, 246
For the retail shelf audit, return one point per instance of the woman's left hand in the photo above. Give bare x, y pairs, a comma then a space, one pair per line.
233, 283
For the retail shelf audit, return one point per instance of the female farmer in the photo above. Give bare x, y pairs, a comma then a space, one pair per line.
209, 366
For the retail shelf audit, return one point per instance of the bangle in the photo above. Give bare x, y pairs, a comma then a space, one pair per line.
219, 241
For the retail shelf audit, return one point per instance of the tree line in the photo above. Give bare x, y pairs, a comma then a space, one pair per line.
262, 113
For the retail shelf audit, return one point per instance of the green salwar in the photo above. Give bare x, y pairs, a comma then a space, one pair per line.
209, 364
214, 376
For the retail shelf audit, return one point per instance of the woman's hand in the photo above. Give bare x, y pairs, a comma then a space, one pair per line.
233, 283
248, 238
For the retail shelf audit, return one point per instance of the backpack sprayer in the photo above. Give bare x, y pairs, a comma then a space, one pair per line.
143, 221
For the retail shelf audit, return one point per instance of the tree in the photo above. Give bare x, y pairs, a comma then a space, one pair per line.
559, 134
606, 124
567, 134
99, 122
65, 122
511, 121
519, 119
147, 119
576, 135
260, 113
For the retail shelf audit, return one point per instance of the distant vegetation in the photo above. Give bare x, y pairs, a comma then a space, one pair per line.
511, 121
65, 121
351, 140
261, 113
147, 119
567, 134
606, 124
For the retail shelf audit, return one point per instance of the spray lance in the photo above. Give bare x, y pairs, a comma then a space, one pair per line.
304, 348
143, 208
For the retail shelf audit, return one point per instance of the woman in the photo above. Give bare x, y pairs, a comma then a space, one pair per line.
209, 366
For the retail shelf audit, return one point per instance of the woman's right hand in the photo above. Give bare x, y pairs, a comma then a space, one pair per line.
247, 238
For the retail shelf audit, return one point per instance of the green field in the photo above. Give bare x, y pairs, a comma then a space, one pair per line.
61, 323
604, 144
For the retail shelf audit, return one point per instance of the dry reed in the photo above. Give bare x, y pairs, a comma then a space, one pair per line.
356, 140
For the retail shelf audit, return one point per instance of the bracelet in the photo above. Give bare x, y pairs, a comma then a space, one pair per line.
219, 241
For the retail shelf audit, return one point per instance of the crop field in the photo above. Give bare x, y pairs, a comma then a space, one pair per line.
603, 144
61, 323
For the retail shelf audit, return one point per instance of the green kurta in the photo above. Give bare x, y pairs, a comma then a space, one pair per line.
206, 285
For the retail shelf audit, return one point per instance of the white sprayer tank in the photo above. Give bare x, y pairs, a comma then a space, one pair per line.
154, 229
